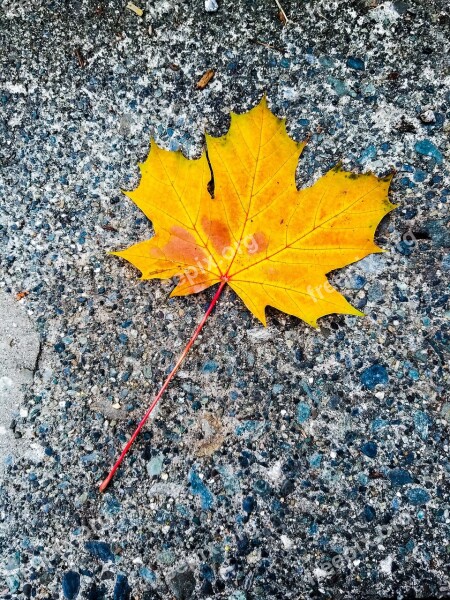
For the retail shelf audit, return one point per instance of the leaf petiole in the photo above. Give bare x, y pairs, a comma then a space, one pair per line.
194, 336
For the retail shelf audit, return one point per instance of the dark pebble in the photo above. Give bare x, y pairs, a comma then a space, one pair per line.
71, 584
369, 449
248, 504
100, 550
399, 477
287, 487
369, 513
207, 589
96, 592
355, 63
121, 590
182, 584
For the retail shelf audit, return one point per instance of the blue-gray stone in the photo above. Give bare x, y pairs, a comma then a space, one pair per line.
369, 513
71, 584
13, 562
355, 63
315, 460
199, 489
147, 574
340, 87
100, 550
248, 504
210, 366
404, 247
445, 411
112, 506
357, 282
421, 423
261, 487
155, 464
303, 412
369, 449
368, 154
375, 375
399, 477
427, 148
417, 496
243, 545
327, 62
439, 232
121, 589
375, 292
206, 572
13, 583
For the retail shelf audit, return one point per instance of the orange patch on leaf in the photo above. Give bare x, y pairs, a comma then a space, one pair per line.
218, 234
258, 243
182, 247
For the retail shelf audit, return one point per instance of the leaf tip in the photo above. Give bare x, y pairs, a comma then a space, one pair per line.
128, 193
390, 207
263, 320
260, 314
389, 177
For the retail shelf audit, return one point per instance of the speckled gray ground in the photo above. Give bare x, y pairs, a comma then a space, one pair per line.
283, 463
19, 355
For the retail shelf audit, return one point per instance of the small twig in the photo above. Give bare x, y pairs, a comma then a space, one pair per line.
256, 41
286, 20
317, 10
205, 79
82, 62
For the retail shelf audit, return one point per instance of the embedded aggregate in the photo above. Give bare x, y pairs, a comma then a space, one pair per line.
283, 462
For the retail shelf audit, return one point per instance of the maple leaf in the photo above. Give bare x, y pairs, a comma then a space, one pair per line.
270, 242
235, 217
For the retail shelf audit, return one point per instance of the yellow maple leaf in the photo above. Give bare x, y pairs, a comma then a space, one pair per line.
272, 243
235, 217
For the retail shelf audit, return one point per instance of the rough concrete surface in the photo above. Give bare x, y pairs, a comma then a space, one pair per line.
19, 350
283, 462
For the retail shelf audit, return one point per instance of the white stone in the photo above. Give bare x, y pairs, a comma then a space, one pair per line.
211, 5
386, 565
286, 541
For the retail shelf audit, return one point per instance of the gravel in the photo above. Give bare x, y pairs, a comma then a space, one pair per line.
283, 462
